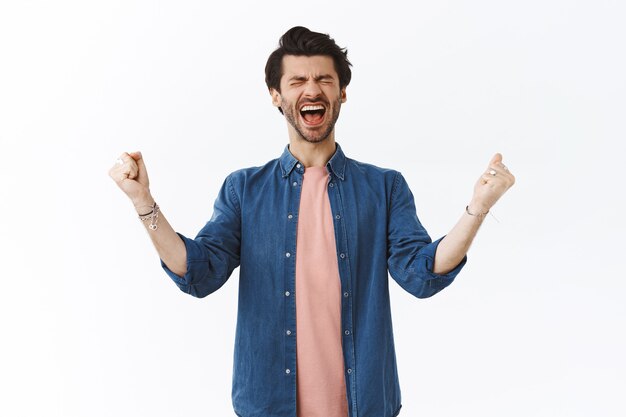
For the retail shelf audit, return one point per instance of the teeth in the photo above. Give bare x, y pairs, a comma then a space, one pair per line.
311, 108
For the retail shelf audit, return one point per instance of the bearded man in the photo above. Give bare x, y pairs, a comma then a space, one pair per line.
315, 235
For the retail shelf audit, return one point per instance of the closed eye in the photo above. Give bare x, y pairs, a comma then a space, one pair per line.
325, 79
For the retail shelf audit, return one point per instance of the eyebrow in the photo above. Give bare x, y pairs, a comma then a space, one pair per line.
318, 78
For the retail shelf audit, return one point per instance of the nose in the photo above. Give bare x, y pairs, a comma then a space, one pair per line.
312, 89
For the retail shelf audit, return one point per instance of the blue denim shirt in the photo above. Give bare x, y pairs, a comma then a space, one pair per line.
253, 227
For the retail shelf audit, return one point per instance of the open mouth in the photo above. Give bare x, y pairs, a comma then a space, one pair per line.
312, 115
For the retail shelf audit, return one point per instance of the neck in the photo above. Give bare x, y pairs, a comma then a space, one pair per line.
312, 154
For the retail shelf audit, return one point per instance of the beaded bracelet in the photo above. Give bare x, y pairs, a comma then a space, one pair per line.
153, 216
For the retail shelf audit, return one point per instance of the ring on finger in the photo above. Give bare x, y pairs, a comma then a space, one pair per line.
492, 171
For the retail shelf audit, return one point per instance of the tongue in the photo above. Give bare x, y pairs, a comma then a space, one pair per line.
312, 118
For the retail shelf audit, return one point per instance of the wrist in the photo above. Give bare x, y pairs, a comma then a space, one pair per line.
475, 207
477, 211
143, 204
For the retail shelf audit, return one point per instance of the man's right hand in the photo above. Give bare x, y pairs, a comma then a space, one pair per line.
131, 176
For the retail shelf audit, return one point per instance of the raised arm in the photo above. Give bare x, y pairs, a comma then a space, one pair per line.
130, 174
197, 266
491, 185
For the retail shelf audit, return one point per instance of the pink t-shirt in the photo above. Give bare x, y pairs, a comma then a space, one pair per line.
321, 386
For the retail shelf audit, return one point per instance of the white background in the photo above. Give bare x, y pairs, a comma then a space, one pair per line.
91, 325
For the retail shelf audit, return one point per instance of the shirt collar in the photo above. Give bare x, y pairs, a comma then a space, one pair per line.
337, 162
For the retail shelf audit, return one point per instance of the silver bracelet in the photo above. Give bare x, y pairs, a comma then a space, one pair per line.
477, 214
153, 216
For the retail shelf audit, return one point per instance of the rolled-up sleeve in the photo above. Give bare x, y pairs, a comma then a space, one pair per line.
214, 253
411, 251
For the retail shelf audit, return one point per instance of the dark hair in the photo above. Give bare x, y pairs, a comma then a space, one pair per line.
301, 41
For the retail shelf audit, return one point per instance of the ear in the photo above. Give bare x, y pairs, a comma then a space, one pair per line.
276, 98
343, 95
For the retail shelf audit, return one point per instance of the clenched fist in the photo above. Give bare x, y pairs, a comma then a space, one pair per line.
491, 185
129, 173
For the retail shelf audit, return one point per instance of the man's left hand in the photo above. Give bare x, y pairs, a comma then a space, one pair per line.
491, 185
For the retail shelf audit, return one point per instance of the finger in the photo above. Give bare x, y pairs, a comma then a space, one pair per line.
122, 176
119, 162
125, 157
128, 167
132, 171
498, 180
493, 179
135, 155
501, 165
142, 173
494, 170
500, 170
496, 158
118, 170
486, 178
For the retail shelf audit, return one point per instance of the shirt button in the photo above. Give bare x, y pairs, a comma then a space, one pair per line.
290, 216
342, 255
287, 371
347, 332
345, 294
295, 183
288, 332
287, 293
349, 370
331, 185
287, 254
337, 216
298, 165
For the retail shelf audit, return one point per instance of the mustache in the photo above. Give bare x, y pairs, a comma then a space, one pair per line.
306, 100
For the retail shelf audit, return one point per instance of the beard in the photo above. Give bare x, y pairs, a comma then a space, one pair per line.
318, 134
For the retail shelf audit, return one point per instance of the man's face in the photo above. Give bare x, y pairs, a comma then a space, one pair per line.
310, 96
